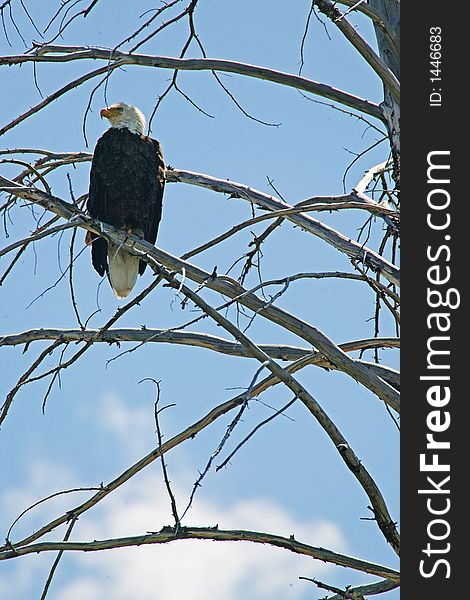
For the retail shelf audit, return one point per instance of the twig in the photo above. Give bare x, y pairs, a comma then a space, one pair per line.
57, 13
57, 281
192, 35
25, 378
72, 292
257, 241
54, 495
63, 90
304, 37
64, 24
190, 7
246, 397
358, 156
253, 431
344, 594
157, 410
37, 236
158, 12
17, 29
56, 561
239, 106
342, 110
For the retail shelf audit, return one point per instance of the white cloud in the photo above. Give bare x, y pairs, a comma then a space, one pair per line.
20, 576
133, 426
41, 478
193, 569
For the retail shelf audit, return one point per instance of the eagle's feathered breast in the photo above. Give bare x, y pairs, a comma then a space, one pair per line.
126, 188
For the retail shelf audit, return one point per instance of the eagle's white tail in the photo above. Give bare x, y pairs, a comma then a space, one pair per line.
123, 270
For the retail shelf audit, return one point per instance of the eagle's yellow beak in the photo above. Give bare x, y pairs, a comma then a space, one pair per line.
105, 112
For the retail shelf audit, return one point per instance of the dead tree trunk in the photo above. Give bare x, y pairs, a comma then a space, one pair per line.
388, 40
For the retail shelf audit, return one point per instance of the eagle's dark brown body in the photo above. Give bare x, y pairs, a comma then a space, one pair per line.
127, 179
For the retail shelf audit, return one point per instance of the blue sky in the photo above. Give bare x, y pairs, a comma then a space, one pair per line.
288, 479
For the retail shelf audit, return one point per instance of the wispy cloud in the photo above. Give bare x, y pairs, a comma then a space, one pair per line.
191, 569
133, 426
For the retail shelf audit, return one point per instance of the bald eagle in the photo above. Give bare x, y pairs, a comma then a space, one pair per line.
127, 179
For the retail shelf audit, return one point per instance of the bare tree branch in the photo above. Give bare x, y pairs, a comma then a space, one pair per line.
253, 431
370, 589
63, 90
246, 397
35, 237
157, 410
157, 13
306, 222
203, 340
25, 378
357, 199
224, 285
116, 58
54, 495
368, 10
187, 434
379, 508
169, 534
345, 594
47, 585
388, 78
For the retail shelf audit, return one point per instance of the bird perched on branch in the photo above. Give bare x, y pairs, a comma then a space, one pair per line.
127, 179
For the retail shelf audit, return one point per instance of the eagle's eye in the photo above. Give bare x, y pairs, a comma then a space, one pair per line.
120, 108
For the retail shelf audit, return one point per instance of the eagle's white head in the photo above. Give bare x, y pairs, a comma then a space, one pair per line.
123, 116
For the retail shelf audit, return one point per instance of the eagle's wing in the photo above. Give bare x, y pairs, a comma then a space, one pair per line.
97, 208
156, 198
